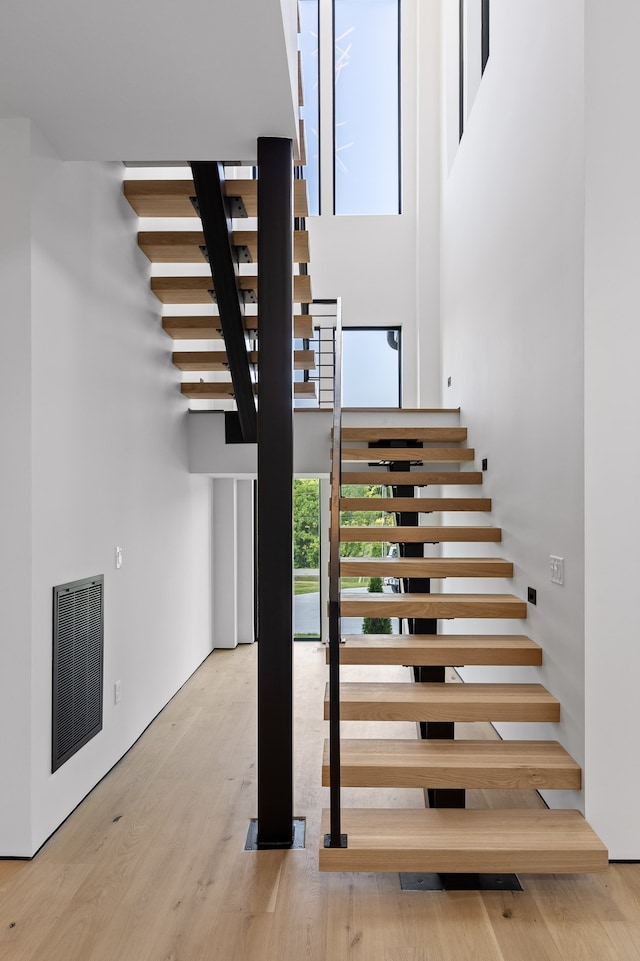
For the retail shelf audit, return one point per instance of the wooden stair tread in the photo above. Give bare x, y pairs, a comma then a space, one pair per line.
425, 567
217, 359
434, 455
443, 650
398, 701
367, 604
411, 478
419, 505
511, 765
447, 434
184, 246
197, 290
171, 198
465, 841
223, 390
209, 328
422, 535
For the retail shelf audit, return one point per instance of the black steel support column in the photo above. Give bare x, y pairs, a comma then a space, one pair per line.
275, 493
208, 179
429, 730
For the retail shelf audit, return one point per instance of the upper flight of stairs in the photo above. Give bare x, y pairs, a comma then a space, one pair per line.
178, 290
446, 836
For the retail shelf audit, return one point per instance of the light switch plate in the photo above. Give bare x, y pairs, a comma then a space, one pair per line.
557, 569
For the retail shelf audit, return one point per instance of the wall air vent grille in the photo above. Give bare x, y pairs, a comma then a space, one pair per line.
78, 646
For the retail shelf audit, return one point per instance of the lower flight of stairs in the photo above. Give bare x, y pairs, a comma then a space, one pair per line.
445, 837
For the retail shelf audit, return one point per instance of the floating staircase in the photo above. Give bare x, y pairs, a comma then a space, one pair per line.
446, 836
181, 243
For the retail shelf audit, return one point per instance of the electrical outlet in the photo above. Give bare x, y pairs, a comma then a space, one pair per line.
116, 692
532, 595
557, 569
118, 558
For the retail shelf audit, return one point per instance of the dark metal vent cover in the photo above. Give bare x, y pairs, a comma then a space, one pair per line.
78, 645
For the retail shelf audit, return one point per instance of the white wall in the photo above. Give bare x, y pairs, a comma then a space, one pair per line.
15, 488
612, 401
371, 262
512, 322
106, 443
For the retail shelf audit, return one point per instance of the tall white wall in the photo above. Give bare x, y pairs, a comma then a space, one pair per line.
15, 488
512, 320
371, 262
612, 401
99, 425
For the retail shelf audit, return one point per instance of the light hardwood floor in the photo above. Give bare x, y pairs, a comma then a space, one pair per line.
151, 867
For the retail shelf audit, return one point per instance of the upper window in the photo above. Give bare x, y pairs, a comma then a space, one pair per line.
474, 48
366, 106
310, 112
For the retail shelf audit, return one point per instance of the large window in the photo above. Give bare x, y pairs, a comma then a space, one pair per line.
366, 106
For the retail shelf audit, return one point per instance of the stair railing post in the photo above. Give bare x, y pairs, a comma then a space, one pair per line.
335, 838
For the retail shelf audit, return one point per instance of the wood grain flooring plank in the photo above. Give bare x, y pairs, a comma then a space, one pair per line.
162, 883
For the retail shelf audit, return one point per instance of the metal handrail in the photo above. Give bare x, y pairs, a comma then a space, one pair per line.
335, 839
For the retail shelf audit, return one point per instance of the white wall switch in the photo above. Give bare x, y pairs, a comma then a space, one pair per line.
557, 569
118, 558
116, 692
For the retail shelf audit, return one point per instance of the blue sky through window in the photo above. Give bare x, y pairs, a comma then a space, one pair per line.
366, 106
370, 369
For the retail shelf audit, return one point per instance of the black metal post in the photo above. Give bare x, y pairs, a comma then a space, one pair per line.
208, 179
275, 493
429, 730
335, 838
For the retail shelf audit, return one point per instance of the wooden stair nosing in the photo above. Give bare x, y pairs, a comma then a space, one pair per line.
425, 567
422, 535
184, 246
419, 505
445, 434
197, 290
209, 327
172, 198
425, 455
223, 390
472, 764
465, 841
412, 478
439, 650
210, 360
398, 701
441, 606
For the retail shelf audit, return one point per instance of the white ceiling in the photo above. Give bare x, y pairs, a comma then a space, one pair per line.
150, 80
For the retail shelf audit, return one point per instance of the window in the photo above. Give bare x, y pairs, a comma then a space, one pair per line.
366, 106
306, 558
474, 17
310, 113
371, 367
